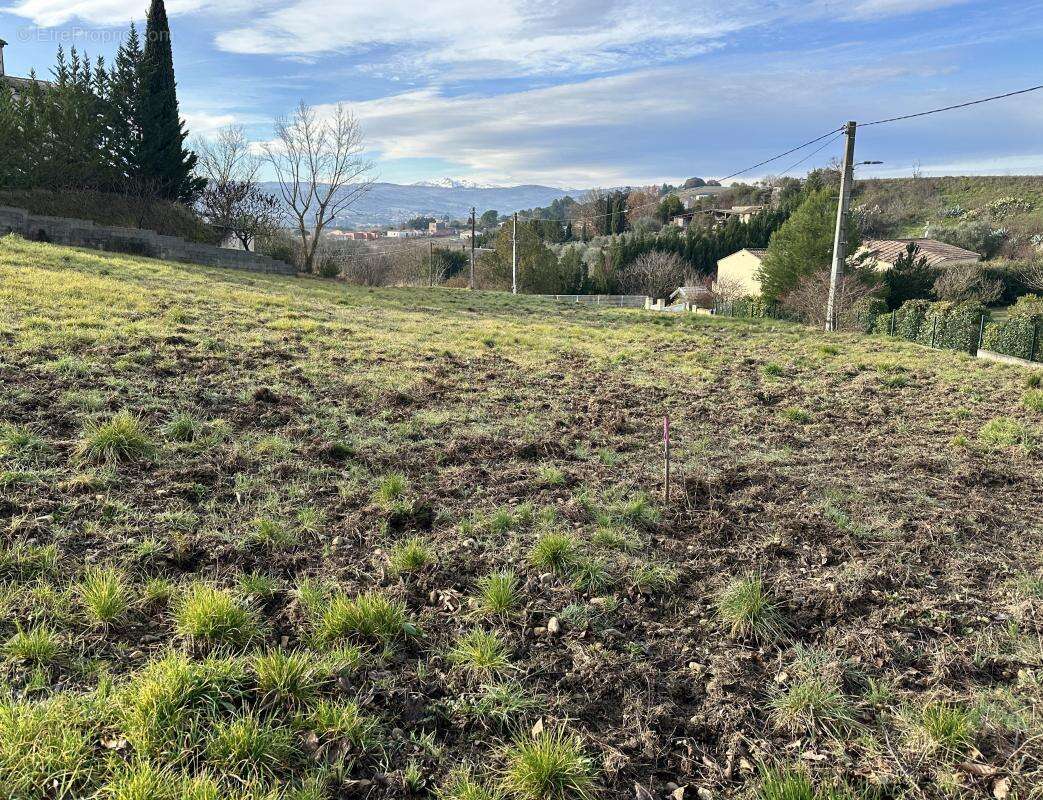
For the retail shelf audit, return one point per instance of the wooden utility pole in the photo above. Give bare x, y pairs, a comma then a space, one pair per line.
847, 179
472, 245
514, 256
430, 263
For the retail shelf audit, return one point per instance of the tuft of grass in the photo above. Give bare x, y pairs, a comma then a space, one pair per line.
501, 703
498, 593
463, 785
785, 784
122, 438
372, 616
480, 653
813, 703
19, 442
654, 578
1002, 432
342, 722
142, 780
1033, 400
797, 415
104, 594
291, 679
939, 727
554, 551
251, 748
43, 744
203, 613
550, 475
271, 534
391, 489
773, 370
257, 584
411, 555
24, 561
38, 646
183, 428
749, 610
548, 766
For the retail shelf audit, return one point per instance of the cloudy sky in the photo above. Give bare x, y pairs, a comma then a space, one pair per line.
579, 93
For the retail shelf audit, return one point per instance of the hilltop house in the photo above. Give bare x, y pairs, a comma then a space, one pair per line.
882, 253
738, 274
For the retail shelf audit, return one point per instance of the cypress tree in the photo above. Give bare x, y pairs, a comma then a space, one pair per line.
165, 162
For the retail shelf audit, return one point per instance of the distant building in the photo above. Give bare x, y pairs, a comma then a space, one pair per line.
18, 86
434, 228
882, 253
739, 273
407, 234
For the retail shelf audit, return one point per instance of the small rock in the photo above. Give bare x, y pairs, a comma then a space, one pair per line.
539, 631
704, 793
337, 541
553, 626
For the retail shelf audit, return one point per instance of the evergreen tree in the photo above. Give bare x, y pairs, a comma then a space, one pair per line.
166, 164
124, 131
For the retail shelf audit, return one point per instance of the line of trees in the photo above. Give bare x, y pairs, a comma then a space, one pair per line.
102, 128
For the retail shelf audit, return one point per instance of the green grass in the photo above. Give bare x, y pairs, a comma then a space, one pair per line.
480, 653
747, 607
498, 593
120, 439
410, 556
208, 615
324, 547
548, 766
105, 595
1003, 432
371, 616
554, 551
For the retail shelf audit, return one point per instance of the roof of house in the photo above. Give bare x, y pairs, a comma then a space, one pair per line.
19, 84
758, 252
936, 253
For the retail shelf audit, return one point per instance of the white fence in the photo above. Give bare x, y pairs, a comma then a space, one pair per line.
607, 300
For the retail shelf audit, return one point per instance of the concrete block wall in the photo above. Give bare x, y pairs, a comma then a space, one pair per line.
134, 241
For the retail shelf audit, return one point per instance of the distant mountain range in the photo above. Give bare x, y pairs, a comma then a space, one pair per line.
392, 203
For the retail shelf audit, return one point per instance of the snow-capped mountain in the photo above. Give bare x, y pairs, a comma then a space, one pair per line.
452, 183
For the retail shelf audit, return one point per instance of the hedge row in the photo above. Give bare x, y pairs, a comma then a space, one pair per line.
1021, 334
945, 324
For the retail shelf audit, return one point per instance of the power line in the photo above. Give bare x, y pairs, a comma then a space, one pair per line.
951, 108
780, 155
813, 153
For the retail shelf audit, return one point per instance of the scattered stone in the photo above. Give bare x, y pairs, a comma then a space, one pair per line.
553, 626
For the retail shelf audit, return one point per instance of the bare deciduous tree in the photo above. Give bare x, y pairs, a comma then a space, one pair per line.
233, 202
728, 290
968, 282
655, 274
320, 165
807, 301
228, 157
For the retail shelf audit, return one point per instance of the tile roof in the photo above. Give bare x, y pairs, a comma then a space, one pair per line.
937, 253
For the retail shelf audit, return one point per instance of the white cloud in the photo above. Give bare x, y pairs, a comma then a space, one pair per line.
50, 13
205, 124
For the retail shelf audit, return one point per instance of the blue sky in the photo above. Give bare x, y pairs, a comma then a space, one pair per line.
581, 93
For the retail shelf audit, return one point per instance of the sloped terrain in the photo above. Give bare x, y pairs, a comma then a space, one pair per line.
273, 537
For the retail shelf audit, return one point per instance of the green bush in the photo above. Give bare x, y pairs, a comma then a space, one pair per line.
1015, 335
866, 312
954, 326
945, 324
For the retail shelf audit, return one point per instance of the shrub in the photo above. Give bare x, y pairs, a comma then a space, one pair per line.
120, 439
213, 615
909, 319
954, 326
1016, 335
548, 766
865, 312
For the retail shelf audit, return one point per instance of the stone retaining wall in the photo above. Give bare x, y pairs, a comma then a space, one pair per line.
133, 241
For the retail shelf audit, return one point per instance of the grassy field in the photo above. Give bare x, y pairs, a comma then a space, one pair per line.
282, 538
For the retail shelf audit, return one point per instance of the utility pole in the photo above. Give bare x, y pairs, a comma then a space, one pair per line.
430, 263
473, 211
847, 179
514, 256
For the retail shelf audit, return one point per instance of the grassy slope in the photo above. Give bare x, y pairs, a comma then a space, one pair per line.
324, 426
911, 203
